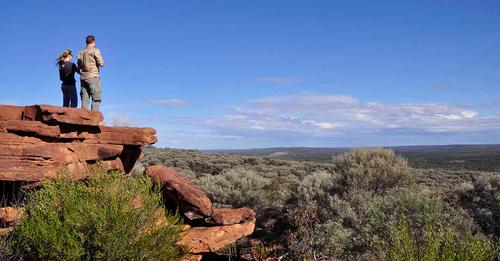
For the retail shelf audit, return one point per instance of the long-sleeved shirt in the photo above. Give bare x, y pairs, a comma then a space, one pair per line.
67, 73
89, 62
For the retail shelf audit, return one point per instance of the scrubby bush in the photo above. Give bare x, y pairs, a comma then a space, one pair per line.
481, 198
376, 170
420, 214
244, 188
435, 245
105, 217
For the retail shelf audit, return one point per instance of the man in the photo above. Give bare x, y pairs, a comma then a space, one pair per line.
89, 63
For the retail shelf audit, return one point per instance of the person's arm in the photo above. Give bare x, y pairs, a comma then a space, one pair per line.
79, 62
98, 58
61, 74
75, 69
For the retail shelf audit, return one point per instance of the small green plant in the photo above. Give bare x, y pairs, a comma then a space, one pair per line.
436, 245
105, 217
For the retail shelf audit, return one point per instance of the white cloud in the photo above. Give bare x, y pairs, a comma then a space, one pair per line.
343, 115
170, 102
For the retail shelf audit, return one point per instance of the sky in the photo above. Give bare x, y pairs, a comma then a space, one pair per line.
265, 73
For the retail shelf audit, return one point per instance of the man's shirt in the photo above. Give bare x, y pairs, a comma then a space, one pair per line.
89, 61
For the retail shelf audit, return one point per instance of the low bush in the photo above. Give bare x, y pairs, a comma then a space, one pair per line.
420, 215
105, 217
376, 170
481, 198
405, 244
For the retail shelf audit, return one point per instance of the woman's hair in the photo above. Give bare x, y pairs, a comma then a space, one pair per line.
60, 59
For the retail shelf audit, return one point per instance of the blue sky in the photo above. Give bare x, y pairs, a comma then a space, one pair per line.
246, 74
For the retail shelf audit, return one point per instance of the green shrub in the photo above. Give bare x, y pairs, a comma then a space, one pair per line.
420, 214
236, 188
376, 170
106, 217
482, 199
405, 244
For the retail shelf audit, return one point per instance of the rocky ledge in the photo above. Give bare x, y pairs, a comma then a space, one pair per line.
37, 142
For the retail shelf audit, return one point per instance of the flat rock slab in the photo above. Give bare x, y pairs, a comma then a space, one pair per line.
190, 199
120, 135
11, 112
48, 113
201, 240
30, 128
16, 140
229, 216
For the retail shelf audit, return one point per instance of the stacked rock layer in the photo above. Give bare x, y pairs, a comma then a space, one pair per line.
36, 142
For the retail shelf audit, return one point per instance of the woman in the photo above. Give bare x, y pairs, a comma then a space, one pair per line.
67, 71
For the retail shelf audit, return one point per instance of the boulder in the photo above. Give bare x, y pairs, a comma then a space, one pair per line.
190, 199
199, 240
229, 216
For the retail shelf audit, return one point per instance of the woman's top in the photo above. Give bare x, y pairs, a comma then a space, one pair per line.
67, 73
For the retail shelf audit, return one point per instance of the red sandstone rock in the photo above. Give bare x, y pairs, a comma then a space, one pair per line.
30, 127
48, 113
114, 164
191, 258
36, 142
16, 140
190, 199
11, 214
210, 239
11, 112
229, 216
6, 231
121, 135
94, 152
38, 162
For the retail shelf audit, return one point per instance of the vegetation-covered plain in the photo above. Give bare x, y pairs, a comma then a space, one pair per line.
361, 204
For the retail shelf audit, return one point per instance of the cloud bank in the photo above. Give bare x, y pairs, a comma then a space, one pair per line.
335, 115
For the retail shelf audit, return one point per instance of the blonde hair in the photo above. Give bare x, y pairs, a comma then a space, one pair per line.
60, 59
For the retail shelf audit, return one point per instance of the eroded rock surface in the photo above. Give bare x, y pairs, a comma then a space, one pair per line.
37, 142
201, 240
210, 229
190, 199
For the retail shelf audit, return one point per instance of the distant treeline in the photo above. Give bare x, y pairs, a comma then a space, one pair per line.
451, 157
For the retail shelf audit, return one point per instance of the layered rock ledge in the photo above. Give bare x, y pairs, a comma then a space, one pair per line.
37, 142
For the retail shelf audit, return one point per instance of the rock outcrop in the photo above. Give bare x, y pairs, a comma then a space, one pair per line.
210, 229
37, 142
